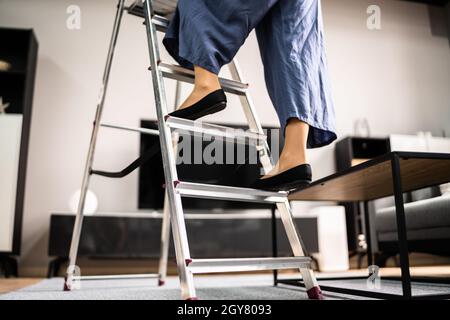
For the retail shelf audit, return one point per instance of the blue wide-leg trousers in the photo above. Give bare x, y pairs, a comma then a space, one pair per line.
208, 33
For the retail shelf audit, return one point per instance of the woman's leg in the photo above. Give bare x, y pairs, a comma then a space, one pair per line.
204, 35
205, 83
294, 150
292, 49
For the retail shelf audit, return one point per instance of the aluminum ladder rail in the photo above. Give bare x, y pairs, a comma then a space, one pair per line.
176, 189
73, 275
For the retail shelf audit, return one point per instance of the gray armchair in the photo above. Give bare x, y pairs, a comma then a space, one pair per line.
427, 219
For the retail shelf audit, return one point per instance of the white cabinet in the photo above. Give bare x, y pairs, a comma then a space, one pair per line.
332, 234
10, 139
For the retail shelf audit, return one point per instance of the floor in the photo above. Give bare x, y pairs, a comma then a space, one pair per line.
238, 286
9, 285
219, 287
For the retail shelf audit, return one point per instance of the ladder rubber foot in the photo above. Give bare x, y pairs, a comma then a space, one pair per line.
161, 283
66, 287
192, 299
315, 293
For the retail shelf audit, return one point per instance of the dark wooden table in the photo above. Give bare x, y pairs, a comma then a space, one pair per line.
390, 174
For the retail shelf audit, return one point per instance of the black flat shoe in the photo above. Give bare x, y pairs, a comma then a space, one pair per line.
290, 180
214, 102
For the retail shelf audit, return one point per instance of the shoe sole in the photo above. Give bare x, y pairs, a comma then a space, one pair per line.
209, 110
290, 187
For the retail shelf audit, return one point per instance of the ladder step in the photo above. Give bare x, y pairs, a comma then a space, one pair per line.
219, 132
211, 191
160, 23
117, 277
182, 74
136, 9
126, 128
246, 264
201, 128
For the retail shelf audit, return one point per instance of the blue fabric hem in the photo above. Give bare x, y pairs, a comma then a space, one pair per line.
318, 136
186, 61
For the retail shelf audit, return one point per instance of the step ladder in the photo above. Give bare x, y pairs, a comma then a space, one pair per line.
173, 211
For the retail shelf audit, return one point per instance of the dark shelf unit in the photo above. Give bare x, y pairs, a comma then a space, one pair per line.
347, 150
19, 47
122, 237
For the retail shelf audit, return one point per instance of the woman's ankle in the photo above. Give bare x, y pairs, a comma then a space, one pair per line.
291, 160
207, 87
199, 93
205, 80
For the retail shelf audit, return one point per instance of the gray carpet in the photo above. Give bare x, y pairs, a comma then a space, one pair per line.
237, 287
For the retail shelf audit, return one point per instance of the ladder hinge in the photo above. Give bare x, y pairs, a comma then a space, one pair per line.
157, 62
175, 184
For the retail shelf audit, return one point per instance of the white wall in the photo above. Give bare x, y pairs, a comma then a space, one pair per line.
397, 77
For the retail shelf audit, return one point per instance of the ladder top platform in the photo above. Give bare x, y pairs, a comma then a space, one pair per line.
163, 8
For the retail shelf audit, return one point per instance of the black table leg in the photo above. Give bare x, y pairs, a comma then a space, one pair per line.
368, 234
401, 227
274, 243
